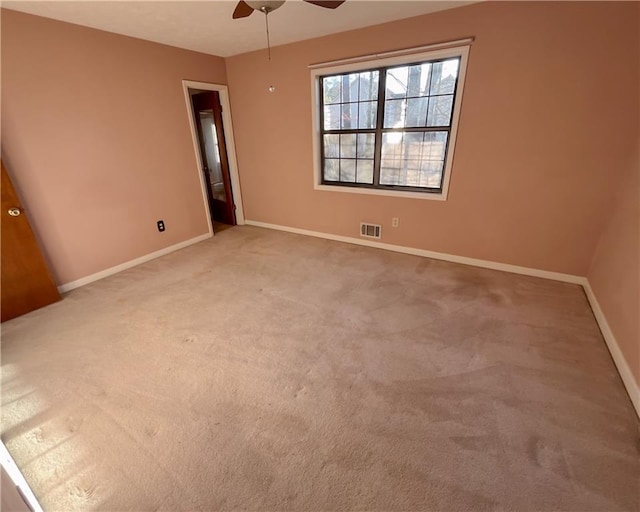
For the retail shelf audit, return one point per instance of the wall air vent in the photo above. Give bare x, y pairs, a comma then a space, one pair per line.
370, 230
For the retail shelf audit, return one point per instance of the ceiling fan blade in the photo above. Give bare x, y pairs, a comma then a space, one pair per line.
329, 4
242, 10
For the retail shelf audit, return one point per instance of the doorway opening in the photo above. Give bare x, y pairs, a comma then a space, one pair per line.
208, 108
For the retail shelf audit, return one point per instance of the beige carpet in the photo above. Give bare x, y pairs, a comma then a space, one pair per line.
269, 371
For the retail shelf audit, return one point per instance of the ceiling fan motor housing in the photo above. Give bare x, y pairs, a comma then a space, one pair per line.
265, 6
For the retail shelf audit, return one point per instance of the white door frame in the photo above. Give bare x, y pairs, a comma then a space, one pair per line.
223, 90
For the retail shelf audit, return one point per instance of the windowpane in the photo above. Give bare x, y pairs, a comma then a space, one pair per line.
435, 145
397, 82
366, 145
418, 84
368, 115
348, 145
406, 175
413, 159
332, 117
391, 175
365, 171
349, 116
369, 86
331, 146
331, 169
431, 173
416, 112
412, 146
440, 108
331, 89
348, 170
394, 113
444, 74
349, 88
391, 150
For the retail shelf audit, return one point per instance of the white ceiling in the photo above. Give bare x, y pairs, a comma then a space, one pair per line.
206, 26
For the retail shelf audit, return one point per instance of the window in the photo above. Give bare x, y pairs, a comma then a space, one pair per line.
388, 126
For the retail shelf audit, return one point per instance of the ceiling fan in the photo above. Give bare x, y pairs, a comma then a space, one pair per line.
244, 9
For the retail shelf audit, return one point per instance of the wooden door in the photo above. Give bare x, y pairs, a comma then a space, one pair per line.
25, 280
208, 118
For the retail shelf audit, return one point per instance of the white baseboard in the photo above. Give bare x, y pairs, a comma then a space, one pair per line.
128, 264
505, 267
612, 344
614, 349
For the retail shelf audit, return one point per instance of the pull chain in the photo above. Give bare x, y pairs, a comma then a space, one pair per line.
266, 20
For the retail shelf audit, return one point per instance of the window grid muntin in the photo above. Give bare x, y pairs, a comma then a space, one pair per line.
341, 103
379, 130
431, 99
419, 160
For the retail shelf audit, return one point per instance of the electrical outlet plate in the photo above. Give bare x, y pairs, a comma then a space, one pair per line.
161, 226
395, 222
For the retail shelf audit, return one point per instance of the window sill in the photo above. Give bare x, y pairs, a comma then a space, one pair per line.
382, 192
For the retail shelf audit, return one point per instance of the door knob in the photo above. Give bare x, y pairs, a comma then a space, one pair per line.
14, 212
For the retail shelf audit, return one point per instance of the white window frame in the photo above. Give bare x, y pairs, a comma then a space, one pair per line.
409, 57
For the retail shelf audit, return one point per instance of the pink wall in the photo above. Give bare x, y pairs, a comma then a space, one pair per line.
96, 136
544, 128
614, 275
